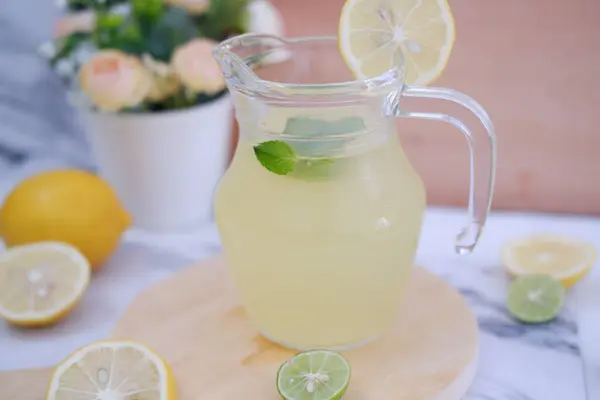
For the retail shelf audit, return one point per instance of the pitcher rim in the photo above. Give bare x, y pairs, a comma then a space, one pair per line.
392, 78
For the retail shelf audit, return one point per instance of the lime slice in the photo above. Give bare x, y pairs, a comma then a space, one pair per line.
379, 35
314, 375
535, 298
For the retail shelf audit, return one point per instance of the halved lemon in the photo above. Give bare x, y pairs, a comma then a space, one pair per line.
564, 258
41, 282
110, 370
378, 35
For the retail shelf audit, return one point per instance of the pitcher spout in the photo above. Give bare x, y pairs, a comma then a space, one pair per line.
240, 56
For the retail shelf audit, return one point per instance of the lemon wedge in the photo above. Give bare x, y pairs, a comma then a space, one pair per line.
378, 35
41, 282
565, 259
112, 370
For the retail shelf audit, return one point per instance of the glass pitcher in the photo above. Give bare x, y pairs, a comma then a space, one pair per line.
320, 210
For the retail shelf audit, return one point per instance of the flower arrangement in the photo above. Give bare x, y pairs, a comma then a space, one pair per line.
149, 55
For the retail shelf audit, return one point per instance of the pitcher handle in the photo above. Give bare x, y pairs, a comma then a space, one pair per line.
483, 166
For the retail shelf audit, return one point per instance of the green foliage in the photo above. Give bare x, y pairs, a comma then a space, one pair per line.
149, 27
157, 28
67, 45
174, 28
150, 10
180, 101
224, 17
147, 13
79, 5
119, 32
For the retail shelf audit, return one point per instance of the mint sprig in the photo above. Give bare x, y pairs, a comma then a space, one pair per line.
280, 158
276, 156
305, 159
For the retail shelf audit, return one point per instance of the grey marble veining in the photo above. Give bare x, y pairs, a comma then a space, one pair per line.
493, 317
517, 361
491, 389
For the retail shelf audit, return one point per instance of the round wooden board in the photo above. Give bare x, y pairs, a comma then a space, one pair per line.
195, 320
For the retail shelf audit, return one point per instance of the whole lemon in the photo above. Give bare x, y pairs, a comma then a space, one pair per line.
68, 205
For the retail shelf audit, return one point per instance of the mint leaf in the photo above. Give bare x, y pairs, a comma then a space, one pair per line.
281, 158
276, 156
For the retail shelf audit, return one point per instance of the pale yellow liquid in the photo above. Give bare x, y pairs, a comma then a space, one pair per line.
322, 262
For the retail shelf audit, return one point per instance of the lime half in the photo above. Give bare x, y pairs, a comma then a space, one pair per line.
314, 375
535, 298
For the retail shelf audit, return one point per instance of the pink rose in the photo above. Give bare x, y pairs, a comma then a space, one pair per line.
192, 6
83, 21
114, 80
196, 67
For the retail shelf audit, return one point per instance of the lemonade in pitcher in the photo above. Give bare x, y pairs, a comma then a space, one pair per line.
321, 254
320, 211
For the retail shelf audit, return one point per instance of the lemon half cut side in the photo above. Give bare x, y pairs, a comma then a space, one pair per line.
564, 258
40, 283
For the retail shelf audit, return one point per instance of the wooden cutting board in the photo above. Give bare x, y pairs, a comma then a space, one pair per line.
194, 319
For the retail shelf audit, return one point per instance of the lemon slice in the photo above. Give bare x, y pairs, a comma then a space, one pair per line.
378, 35
112, 370
564, 258
41, 282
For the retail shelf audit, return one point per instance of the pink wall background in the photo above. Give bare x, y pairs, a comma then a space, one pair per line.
535, 66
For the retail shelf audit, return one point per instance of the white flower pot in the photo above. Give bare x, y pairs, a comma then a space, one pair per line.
163, 166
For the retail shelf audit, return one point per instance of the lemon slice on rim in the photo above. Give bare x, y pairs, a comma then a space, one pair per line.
112, 370
41, 282
565, 259
378, 35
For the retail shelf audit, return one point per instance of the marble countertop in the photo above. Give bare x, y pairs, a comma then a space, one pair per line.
517, 362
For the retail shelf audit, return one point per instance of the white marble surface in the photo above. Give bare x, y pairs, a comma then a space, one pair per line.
517, 362
520, 362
